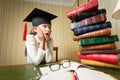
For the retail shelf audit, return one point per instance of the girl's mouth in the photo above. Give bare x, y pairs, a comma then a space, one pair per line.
46, 33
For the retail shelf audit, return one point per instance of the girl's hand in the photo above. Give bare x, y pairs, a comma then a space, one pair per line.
40, 34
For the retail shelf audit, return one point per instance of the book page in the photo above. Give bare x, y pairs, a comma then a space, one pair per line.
88, 74
83, 73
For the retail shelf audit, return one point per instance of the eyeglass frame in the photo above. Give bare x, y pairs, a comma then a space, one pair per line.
61, 63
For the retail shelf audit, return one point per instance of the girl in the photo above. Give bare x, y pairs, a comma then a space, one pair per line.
38, 43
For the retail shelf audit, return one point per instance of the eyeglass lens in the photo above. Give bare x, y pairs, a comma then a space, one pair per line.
66, 64
56, 67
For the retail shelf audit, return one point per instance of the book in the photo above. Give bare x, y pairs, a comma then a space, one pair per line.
98, 63
82, 15
89, 21
94, 27
115, 51
105, 46
79, 71
98, 40
107, 58
92, 5
97, 33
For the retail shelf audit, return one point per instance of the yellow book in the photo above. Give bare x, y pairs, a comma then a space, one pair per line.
97, 63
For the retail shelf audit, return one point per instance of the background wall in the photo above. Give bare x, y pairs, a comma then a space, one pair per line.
109, 5
12, 13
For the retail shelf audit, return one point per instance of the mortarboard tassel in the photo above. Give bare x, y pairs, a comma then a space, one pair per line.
108, 58
25, 32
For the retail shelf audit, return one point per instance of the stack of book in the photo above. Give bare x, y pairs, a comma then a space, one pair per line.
93, 33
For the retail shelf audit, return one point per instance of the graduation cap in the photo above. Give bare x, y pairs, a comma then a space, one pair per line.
38, 17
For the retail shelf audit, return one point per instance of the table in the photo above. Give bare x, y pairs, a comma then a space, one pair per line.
26, 72
19, 72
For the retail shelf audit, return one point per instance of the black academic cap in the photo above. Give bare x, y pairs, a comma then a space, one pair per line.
38, 17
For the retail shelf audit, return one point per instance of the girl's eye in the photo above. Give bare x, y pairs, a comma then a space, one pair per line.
44, 26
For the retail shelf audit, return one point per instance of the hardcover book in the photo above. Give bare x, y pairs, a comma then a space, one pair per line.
88, 21
115, 51
98, 63
80, 16
99, 40
105, 46
85, 29
107, 58
98, 33
92, 5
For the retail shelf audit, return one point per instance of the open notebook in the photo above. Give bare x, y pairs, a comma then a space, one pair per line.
83, 73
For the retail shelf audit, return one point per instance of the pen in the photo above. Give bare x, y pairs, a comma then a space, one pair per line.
77, 78
37, 72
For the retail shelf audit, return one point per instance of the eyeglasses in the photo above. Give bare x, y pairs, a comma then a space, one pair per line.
55, 67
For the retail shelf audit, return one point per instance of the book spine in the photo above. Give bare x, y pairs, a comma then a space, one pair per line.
98, 40
92, 5
99, 47
98, 33
88, 21
101, 64
107, 58
115, 51
85, 29
80, 16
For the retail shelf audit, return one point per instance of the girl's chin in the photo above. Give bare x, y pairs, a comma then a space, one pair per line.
47, 37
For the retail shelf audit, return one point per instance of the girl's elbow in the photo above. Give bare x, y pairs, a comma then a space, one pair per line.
37, 63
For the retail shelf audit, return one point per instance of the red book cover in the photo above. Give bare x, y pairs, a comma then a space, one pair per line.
92, 5
108, 58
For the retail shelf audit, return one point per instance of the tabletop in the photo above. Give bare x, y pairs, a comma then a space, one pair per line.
26, 72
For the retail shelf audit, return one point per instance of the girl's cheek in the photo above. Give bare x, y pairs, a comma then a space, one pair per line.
42, 28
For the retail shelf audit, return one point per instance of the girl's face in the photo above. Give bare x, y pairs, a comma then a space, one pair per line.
46, 28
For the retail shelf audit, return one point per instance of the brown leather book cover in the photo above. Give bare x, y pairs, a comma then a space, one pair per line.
99, 46
88, 21
98, 33
115, 51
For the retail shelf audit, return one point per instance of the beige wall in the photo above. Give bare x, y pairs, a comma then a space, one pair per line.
109, 5
12, 12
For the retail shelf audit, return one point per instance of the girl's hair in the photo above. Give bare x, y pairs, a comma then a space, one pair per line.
32, 32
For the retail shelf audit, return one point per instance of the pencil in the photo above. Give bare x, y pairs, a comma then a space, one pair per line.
73, 75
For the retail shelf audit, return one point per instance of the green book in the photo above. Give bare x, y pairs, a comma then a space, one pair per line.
98, 40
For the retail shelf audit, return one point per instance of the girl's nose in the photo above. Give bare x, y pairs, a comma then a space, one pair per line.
47, 28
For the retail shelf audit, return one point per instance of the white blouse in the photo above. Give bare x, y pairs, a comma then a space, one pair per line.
37, 55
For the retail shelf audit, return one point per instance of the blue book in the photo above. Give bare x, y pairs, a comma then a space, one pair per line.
85, 29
